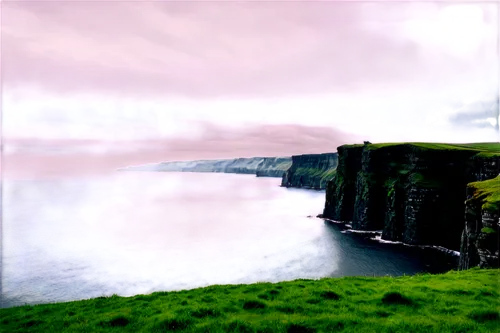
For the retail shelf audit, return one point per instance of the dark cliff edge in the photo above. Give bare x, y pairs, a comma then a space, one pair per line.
414, 192
311, 171
259, 166
480, 237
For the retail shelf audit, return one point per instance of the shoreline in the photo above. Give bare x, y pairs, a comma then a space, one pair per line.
378, 238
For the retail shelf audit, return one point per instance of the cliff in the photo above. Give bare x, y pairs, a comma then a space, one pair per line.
310, 171
413, 192
182, 166
242, 165
480, 237
260, 166
274, 166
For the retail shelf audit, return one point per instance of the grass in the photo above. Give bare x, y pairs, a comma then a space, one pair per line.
464, 301
488, 191
487, 230
481, 147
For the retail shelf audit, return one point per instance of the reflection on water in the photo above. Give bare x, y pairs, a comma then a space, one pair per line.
138, 232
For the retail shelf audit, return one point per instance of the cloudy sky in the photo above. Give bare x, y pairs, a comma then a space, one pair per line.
154, 81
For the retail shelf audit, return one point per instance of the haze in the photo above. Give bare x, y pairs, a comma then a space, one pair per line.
97, 85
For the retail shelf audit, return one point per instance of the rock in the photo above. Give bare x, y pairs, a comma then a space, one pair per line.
480, 237
310, 171
259, 166
274, 167
414, 193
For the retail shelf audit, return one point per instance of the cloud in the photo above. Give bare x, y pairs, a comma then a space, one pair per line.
39, 158
378, 117
159, 71
236, 49
32, 157
481, 114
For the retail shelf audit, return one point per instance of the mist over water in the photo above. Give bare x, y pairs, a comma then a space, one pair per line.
138, 232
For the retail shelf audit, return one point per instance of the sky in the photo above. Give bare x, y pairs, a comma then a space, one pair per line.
118, 83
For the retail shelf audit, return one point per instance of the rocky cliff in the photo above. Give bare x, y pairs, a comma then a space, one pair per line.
182, 166
480, 237
243, 165
260, 166
310, 171
413, 192
274, 166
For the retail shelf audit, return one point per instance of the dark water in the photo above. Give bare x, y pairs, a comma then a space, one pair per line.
138, 232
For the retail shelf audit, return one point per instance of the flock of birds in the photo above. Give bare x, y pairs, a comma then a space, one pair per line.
438, 117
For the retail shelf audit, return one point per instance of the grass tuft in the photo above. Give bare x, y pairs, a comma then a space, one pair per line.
253, 304
300, 328
396, 298
175, 324
240, 326
482, 316
206, 312
330, 295
117, 321
487, 230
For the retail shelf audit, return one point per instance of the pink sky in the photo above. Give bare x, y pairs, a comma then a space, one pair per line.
157, 81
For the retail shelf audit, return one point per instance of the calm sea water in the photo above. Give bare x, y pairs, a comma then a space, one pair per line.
128, 233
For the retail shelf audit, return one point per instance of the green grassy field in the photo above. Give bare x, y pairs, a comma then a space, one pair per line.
484, 147
464, 301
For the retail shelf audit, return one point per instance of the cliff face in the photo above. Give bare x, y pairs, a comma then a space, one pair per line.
480, 238
243, 165
414, 193
260, 166
341, 189
274, 166
310, 171
183, 166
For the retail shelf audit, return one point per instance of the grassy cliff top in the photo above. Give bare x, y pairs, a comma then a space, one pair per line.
488, 191
480, 147
458, 301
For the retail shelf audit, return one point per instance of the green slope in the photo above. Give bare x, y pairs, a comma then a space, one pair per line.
465, 301
488, 191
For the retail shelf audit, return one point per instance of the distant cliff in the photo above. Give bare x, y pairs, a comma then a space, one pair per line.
260, 166
274, 167
480, 238
413, 192
311, 171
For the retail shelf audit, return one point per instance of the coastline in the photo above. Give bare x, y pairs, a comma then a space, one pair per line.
366, 184
378, 238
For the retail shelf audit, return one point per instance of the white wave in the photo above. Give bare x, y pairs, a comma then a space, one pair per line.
365, 231
333, 221
378, 238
